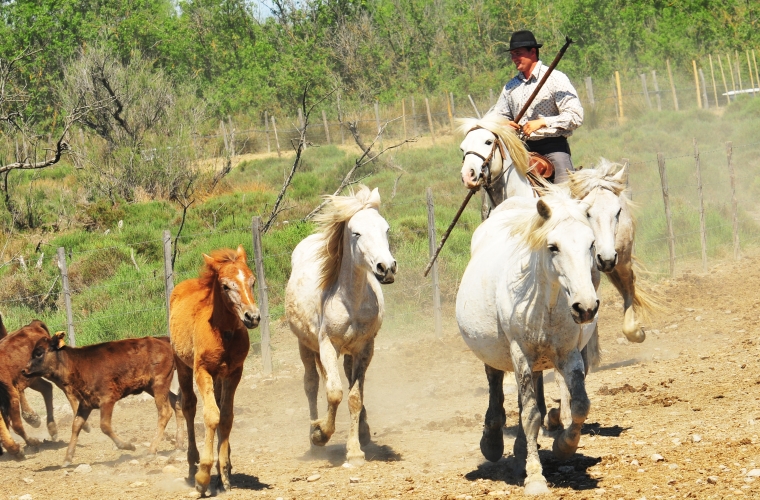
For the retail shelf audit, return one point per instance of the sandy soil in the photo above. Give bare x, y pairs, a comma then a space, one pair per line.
689, 393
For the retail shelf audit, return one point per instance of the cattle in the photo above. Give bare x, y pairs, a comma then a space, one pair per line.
15, 351
99, 375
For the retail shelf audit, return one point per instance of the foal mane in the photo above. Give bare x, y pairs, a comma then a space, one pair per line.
208, 274
499, 126
583, 181
332, 224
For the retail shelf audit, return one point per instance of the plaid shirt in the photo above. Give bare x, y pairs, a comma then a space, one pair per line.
557, 102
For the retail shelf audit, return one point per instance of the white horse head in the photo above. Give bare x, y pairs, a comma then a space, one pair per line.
490, 146
559, 233
602, 188
353, 228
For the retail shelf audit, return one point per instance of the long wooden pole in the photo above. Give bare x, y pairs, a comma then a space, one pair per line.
696, 83
702, 228
715, 87
448, 230
266, 351
668, 217
672, 85
434, 274
734, 204
619, 94
723, 75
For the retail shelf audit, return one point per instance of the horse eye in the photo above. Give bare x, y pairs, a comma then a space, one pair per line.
225, 288
489, 142
553, 248
356, 235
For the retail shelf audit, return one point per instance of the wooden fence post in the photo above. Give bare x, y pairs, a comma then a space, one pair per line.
66, 295
704, 88
448, 108
715, 87
672, 85
702, 229
377, 122
430, 120
751, 76
731, 71
490, 95
266, 352
453, 108
696, 83
734, 204
434, 270
403, 116
266, 131
757, 75
590, 91
327, 129
276, 139
619, 94
644, 89
668, 217
168, 276
656, 90
340, 120
739, 70
477, 113
414, 119
723, 75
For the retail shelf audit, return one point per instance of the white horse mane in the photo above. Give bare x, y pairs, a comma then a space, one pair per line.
499, 126
332, 223
602, 175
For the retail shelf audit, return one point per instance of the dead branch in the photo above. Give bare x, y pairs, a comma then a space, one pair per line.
184, 200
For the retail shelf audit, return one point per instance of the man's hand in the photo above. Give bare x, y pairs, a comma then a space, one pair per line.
514, 125
532, 126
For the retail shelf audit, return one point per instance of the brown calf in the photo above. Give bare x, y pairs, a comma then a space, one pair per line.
15, 351
99, 375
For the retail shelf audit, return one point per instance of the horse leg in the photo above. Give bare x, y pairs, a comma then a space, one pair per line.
46, 389
365, 436
530, 421
79, 419
360, 363
573, 374
324, 428
624, 280
189, 402
27, 412
492, 441
15, 417
224, 467
310, 382
211, 416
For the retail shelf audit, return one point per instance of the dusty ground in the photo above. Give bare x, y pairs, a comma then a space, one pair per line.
696, 375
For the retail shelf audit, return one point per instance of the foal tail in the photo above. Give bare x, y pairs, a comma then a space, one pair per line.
645, 301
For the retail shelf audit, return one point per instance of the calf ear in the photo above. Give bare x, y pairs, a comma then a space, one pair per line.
58, 340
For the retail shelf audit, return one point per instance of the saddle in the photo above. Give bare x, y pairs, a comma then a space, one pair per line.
541, 166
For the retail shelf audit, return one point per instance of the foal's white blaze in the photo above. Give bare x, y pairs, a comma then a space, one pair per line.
479, 141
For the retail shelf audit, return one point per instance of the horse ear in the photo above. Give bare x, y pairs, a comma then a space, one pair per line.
374, 198
543, 209
58, 340
621, 175
209, 260
241, 253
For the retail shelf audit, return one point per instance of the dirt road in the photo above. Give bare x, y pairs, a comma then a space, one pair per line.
689, 394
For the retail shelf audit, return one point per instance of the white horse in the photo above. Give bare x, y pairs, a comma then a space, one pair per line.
527, 302
334, 305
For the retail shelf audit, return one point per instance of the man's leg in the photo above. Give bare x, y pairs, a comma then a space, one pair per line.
562, 165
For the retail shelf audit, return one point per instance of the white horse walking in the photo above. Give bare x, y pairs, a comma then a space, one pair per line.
334, 305
527, 302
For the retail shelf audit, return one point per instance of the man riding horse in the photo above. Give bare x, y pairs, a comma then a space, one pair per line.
555, 112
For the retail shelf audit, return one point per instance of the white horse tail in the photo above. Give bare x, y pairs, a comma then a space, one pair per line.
645, 302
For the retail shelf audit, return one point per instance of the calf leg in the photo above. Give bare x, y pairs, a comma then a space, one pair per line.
530, 421
161, 398
74, 402
211, 416
79, 419
224, 467
573, 375
360, 362
310, 381
189, 402
175, 400
492, 442
46, 389
106, 412
8, 442
15, 417
365, 436
324, 428
27, 412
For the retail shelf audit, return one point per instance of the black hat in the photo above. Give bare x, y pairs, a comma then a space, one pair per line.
525, 39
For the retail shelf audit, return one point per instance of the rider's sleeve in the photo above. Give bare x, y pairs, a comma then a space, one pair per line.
502, 106
570, 115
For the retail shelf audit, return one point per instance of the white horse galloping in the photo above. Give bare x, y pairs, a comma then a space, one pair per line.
527, 302
334, 305
494, 158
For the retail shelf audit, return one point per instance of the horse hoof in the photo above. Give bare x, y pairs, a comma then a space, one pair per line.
553, 420
492, 445
202, 480
86, 427
32, 419
563, 450
356, 460
66, 463
536, 487
34, 442
131, 447
319, 438
53, 431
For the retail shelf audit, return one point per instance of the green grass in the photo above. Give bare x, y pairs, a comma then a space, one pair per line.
115, 298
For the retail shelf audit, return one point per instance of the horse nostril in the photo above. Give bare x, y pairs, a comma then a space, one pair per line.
577, 308
381, 269
616, 259
394, 267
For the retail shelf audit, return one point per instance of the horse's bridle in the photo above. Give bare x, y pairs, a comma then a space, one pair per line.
485, 167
